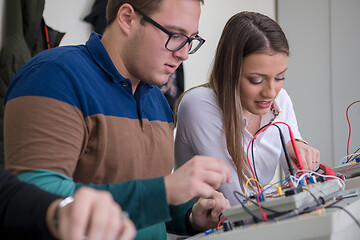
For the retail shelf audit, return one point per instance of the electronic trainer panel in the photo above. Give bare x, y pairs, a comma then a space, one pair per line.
323, 220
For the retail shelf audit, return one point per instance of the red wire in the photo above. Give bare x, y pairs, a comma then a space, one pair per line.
296, 150
350, 168
347, 117
221, 221
272, 194
47, 37
354, 158
264, 216
301, 167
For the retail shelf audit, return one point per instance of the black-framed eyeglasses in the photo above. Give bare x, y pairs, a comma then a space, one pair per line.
176, 41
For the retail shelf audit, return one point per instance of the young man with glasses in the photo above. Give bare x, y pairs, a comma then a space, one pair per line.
91, 115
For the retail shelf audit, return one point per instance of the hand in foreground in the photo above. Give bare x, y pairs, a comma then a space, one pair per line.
198, 177
310, 157
205, 212
93, 214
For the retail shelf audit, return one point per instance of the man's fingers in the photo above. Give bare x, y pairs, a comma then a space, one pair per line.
206, 211
199, 177
99, 223
127, 231
214, 165
212, 178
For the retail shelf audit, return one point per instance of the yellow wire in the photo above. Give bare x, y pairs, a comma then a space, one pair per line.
278, 189
247, 182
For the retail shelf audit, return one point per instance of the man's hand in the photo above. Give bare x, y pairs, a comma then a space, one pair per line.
310, 157
205, 212
198, 177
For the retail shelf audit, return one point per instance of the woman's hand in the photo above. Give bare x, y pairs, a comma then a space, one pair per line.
310, 157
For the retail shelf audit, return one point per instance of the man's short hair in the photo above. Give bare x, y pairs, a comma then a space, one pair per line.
146, 6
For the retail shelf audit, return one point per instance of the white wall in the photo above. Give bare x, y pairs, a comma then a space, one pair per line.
323, 77
64, 16
308, 75
345, 65
67, 16
213, 18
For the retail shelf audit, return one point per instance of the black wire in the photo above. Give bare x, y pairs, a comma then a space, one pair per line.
292, 213
255, 203
283, 143
253, 160
220, 217
317, 200
353, 156
262, 128
245, 208
287, 157
356, 221
305, 209
295, 211
252, 149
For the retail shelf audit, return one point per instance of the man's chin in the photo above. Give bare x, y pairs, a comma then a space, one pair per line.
159, 81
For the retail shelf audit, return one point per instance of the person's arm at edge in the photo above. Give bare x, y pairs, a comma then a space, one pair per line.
23, 206
136, 196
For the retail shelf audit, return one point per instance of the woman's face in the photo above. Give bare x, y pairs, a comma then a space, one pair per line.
262, 77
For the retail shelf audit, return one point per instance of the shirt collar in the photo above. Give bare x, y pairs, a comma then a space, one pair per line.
102, 58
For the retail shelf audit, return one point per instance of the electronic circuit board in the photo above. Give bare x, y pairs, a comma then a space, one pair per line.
323, 223
352, 169
287, 203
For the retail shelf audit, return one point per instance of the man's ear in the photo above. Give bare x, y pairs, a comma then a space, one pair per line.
126, 18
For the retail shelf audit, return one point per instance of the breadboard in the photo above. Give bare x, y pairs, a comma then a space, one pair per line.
286, 203
354, 170
324, 224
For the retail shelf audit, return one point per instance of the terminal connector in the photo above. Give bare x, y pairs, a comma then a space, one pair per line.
227, 226
261, 197
293, 191
312, 179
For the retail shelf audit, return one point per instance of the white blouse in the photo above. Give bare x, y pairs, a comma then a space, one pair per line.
200, 132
